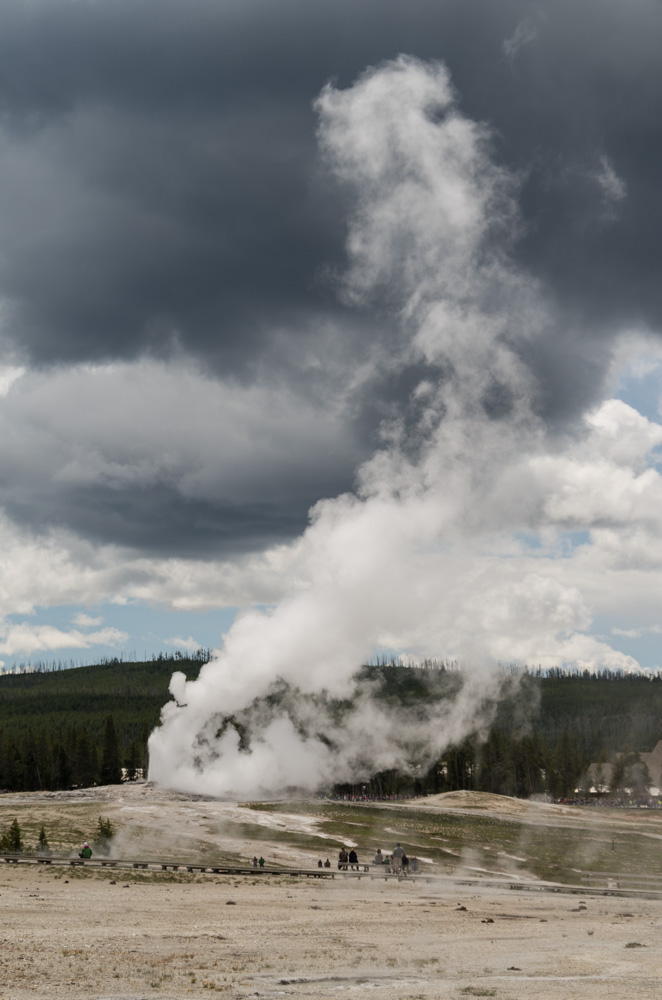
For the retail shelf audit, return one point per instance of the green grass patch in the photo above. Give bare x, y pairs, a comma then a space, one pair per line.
556, 851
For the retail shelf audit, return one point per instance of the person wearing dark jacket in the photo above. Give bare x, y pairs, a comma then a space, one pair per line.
86, 851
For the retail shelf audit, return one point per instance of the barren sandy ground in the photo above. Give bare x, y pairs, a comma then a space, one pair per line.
113, 934
80, 935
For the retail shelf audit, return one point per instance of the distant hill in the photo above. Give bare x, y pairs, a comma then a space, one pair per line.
55, 730
53, 723
543, 737
604, 711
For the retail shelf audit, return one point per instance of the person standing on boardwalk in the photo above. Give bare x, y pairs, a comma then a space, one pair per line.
86, 851
397, 856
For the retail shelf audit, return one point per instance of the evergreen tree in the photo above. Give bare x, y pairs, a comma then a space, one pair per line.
105, 833
31, 771
497, 771
64, 774
132, 762
146, 730
618, 775
568, 766
45, 760
12, 768
42, 843
461, 765
111, 769
10, 841
105, 829
86, 760
528, 766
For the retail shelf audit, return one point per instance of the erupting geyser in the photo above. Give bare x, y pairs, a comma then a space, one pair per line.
413, 560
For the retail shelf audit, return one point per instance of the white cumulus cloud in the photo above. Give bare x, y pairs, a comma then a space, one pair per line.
190, 644
27, 639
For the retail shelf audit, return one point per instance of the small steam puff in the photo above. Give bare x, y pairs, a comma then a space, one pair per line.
415, 559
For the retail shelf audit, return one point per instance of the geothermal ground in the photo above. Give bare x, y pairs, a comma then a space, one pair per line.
110, 933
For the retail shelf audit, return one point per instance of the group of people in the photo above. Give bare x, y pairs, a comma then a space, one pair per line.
346, 860
398, 861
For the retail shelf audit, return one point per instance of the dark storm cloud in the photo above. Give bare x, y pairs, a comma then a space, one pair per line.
159, 172
161, 193
159, 458
158, 521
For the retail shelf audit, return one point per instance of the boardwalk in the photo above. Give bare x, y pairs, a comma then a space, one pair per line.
589, 883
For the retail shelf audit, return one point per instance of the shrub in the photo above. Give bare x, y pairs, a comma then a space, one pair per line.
105, 829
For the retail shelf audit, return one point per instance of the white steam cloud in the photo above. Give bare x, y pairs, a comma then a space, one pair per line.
425, 556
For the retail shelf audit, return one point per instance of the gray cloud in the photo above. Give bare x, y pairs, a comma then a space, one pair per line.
159, 457
159, 172
161, 195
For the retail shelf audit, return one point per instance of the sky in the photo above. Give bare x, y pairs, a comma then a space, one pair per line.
274, 272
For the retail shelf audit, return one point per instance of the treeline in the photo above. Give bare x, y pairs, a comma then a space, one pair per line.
55, 666
544, 736
80, 727
504, 763
53, 761
547, 730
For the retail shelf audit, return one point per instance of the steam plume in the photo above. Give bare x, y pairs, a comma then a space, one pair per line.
405, 561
